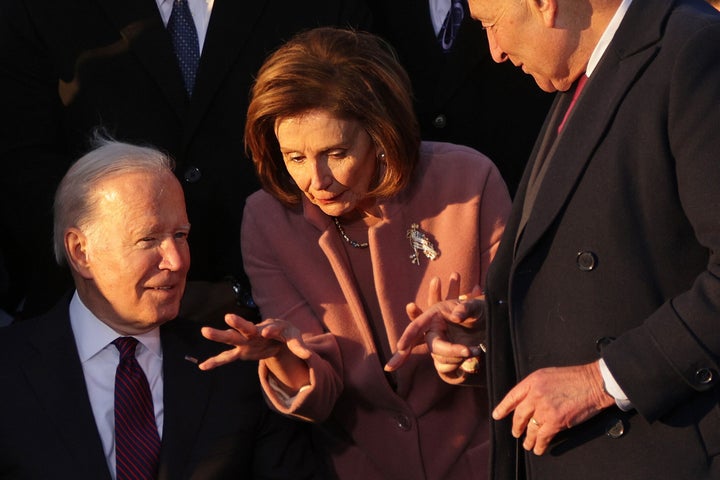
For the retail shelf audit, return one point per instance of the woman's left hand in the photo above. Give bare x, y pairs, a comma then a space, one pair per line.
451, 329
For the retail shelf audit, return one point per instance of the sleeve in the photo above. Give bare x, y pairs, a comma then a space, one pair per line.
277, 297
681, 339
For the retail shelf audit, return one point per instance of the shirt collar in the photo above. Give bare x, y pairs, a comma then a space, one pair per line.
607, 36
92, 335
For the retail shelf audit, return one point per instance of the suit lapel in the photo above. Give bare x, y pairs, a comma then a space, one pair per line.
141, 26
186, 395
56, 376
622, 62
231, 24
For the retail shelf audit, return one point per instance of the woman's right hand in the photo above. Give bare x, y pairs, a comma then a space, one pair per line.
269, 339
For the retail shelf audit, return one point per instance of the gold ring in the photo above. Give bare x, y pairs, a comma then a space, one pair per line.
534, 422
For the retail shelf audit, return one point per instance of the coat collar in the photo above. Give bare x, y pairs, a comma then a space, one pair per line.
54, 371
634, 46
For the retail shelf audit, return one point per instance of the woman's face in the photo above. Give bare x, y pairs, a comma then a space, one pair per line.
332, 161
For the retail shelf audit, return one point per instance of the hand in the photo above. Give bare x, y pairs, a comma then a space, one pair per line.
550, 400
451, 328
254, 341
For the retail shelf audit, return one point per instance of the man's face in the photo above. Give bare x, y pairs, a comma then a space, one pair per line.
527, 33
136, 251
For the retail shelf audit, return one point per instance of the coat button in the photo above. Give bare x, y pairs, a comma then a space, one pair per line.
440, 121
704, 376
586, 261
615, 428
403, 422
603, 342
192, 175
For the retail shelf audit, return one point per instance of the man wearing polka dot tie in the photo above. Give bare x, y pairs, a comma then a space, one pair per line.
70, 66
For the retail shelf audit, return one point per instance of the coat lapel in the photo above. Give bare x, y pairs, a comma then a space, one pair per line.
230, 27
141, 26
55, 373
624, 59
186, 395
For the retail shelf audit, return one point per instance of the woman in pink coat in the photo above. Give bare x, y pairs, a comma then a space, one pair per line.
356, 218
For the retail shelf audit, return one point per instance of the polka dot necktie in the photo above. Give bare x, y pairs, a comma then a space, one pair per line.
451, 25
185, 42
137, 443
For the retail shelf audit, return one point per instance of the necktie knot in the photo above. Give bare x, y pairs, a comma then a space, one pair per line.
126, 346
451, 25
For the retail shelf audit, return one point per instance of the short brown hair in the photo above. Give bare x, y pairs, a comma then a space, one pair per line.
352, 75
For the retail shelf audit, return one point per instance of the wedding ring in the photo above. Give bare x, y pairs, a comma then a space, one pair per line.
534, 422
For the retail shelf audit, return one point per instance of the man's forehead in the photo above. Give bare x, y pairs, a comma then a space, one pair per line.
485, 9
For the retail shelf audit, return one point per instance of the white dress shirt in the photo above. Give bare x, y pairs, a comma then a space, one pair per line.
438, 12
200, 10
100, 358
611, 386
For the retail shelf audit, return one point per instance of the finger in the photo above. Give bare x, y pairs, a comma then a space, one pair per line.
453, 286
531, 434
510, 402
434, 291
298, 347
447, 364
223, 358
229, 336
240, 324
413, 310
397, 360
542, 440
414, 333
442, 347
522, 420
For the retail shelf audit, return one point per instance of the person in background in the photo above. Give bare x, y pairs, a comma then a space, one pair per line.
460, 95
355, 216
171, 73
604, 295
66, 376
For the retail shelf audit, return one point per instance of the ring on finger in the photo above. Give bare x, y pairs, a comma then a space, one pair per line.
535, 422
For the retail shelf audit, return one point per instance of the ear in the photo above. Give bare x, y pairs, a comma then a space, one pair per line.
547, 10
76, 243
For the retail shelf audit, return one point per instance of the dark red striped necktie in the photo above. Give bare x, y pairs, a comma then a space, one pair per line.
137, 443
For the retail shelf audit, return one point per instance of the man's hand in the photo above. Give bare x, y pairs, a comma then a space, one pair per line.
550, 400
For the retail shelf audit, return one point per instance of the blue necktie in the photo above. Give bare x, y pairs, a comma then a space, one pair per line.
185, 41
451, 25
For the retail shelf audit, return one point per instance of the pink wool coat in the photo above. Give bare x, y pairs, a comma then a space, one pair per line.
425, 428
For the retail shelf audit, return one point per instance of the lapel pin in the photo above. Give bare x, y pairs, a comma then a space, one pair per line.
191, 359
420, 243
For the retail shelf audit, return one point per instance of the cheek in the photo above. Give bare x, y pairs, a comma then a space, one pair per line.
298, 176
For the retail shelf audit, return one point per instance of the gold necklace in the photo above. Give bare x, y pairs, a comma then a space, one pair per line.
349, 240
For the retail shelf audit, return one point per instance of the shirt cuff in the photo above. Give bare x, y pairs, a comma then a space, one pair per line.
612, 387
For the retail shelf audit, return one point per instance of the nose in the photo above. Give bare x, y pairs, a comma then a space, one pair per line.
498, 55
174, 255
321, 176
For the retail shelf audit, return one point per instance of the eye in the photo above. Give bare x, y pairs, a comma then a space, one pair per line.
293, 158
337, 153
182, 235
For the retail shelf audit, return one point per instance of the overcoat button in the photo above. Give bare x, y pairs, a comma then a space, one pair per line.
603, 342
403, 422
704, 376
586, 261
192, 175
615, 428
440, 121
